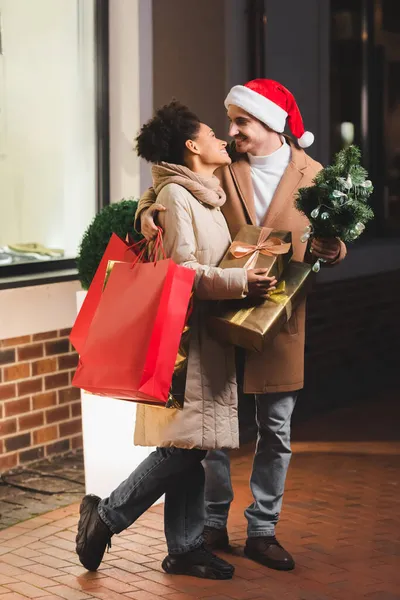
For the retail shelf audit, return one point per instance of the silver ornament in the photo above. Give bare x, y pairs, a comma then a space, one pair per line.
315, 213
316, 267
349, 183
359, 227
367, 184
338, 194
305, 237
325, 216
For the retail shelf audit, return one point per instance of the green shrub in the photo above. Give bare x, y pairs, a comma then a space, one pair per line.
116, 218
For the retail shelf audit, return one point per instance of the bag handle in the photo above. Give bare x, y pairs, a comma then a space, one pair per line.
158, 248
148, 253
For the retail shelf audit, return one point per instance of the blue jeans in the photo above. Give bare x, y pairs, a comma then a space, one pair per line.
271, 462
178, 474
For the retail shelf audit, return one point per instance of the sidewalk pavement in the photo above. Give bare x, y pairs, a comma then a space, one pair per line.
341, 521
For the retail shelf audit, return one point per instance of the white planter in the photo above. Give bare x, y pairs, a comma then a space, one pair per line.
109, 453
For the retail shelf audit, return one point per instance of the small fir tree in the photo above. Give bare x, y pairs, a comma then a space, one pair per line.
337, 204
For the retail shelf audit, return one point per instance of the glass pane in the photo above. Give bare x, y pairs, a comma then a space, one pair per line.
388, 37
47, 127
346, 65
365, 96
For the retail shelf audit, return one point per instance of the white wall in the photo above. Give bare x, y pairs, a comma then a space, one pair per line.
29, 310
124, 98
146, 77
47, 183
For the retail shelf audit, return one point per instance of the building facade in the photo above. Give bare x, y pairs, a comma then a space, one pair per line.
78, 77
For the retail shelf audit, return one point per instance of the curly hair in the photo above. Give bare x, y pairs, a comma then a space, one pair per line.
163, 137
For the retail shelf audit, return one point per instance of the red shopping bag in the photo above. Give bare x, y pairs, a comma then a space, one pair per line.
132, 344
116, 249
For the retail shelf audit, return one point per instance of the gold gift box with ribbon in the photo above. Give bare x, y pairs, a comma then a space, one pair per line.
249, 323
260, 248
253, 324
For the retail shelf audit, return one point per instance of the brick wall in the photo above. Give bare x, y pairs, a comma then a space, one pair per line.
40, 413
352, 321
352, 342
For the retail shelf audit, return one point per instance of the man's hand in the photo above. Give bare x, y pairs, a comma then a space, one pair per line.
326, 248
259, 283
148, 221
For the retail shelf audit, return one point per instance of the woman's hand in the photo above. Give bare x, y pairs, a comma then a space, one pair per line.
259, 283
148, 221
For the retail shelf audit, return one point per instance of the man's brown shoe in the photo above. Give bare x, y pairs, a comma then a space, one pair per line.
268, 551
216, 539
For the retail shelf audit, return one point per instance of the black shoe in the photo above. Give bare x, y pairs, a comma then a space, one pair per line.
216, 539
198, 563
93, 535
268, 551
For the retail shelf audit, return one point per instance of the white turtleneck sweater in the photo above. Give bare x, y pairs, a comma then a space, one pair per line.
266, 173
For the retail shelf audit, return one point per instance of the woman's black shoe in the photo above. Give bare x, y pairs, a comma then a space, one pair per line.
93, 535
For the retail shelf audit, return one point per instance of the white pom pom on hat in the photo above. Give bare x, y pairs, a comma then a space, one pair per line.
306, 140
271, 103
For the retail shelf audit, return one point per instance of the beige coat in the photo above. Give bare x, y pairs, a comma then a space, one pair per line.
197, 236
280, 367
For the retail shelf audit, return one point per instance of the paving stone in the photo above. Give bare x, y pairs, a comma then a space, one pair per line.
18, 505
340, 519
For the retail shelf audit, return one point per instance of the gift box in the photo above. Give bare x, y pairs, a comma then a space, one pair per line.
260, 248
252, 324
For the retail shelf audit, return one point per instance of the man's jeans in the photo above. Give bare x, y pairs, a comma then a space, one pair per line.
271, 462
178, 474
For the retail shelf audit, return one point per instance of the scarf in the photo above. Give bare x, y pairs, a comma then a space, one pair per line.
206, 190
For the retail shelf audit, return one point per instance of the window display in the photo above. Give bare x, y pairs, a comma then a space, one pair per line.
47, 128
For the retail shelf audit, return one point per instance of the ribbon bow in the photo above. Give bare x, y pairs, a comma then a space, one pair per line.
265, 245
279, 296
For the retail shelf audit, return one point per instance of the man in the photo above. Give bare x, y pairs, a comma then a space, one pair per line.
261, 185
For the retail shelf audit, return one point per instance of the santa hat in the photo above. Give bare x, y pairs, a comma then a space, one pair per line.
271, 103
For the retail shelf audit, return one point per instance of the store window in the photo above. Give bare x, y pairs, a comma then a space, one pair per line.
48, 128
346, 73
365, 96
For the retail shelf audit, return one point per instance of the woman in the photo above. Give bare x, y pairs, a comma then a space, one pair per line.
186, 153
